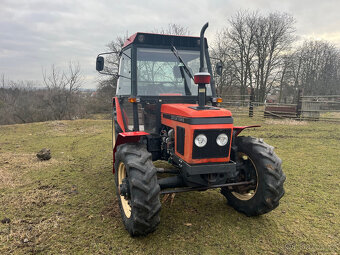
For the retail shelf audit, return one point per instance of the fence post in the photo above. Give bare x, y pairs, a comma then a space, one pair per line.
299, 103
251, 100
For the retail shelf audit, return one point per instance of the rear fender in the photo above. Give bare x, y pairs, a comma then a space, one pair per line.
127, 137
238, 130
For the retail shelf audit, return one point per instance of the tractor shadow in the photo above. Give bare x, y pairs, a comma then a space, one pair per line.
207, 214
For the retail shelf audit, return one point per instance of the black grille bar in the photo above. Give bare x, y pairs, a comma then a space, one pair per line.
180, 133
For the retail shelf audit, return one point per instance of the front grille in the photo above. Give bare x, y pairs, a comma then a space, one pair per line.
211, 149
180, 140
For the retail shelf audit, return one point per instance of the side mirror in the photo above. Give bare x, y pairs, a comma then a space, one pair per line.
100, 63
218, 68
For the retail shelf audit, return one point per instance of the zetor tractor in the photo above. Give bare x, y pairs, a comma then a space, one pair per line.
166, 108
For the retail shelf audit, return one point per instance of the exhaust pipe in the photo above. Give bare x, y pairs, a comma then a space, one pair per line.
203, 77
202, 44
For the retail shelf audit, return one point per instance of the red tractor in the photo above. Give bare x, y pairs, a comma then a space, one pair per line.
166, 109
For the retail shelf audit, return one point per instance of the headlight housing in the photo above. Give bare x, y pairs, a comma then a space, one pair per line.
222, 139
201, 140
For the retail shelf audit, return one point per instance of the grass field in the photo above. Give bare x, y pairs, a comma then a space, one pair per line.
67, 205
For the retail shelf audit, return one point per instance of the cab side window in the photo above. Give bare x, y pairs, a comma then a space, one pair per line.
124, 81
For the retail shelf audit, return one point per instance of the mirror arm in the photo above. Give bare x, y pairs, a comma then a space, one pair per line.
107, 73
105, 53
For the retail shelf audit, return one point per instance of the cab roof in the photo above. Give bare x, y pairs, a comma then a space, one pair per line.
164, 40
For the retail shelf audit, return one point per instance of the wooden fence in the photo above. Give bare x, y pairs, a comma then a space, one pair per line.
311, 108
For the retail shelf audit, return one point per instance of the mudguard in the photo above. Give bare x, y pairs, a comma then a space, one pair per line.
238, 130
127, 137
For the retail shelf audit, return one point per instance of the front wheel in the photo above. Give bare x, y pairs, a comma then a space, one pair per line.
137, 189
257, 162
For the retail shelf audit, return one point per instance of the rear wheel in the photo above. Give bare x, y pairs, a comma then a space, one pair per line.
137, 189
255, 161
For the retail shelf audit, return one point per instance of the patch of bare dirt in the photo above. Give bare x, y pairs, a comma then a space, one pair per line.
112, 210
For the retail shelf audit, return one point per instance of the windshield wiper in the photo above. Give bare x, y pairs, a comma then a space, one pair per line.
186, 69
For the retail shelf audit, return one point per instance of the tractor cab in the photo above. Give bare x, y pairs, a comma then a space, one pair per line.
166, 109
157, 69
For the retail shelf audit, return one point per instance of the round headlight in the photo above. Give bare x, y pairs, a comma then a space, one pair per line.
222, 139
201, 140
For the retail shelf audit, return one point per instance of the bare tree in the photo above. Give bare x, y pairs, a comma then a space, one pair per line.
115, 47
63, 89
274, 36
106, 88
236, 43
21, 102
254, 45
28, 101
229, 77
315, 67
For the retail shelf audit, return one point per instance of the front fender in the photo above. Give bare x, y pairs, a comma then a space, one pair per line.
127, 137
238, 130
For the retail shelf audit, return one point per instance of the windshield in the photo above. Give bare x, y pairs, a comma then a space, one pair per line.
160, 73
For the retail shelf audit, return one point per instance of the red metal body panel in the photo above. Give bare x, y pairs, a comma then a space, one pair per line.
239, 129
130, 40
126, 137
184, 110
119, 113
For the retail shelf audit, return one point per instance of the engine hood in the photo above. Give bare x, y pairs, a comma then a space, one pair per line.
188, 111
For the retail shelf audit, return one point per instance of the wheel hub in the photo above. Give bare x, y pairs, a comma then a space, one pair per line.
124, 188
247, 172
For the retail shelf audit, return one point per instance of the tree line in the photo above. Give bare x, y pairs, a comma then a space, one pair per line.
262, 52
60, 97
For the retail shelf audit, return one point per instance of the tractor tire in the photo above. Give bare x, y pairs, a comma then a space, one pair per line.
255, 160
137, 189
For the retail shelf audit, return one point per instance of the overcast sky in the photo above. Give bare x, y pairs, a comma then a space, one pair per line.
35, 34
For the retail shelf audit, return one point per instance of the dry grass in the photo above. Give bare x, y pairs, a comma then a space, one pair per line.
62, 128
286, 122
13, 167
37, 197
67, 205
24, 234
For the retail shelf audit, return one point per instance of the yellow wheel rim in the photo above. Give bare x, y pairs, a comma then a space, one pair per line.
125, 203
250, 193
